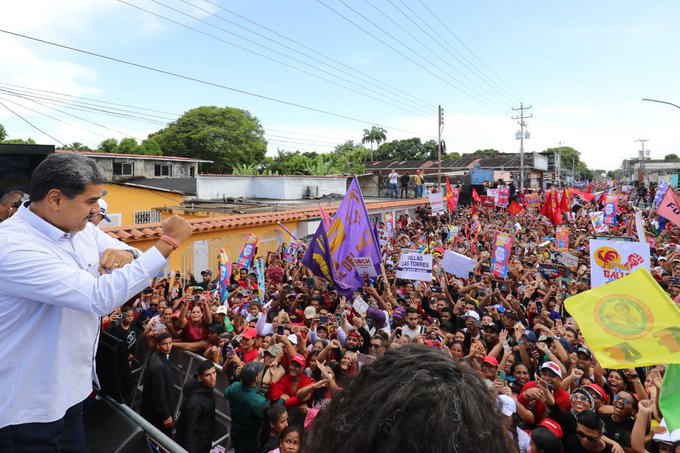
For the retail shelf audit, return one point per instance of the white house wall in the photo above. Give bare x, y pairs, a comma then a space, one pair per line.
276, 187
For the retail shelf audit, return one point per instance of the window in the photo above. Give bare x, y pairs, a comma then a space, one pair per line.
123, 169
163, 170
192, 172
142, 217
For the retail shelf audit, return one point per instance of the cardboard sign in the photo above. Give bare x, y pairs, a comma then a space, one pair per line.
562, 239
436, 203
597, 219
501, 255
611, 203
364, 265
457, 264
291, 252
247, 252
553, 271
359, 305
488, 201
415, 266
383, 236
568, 260
612, 260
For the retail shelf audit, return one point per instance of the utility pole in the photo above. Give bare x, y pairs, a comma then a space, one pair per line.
521, 136
440, 129
642, 156
558, 162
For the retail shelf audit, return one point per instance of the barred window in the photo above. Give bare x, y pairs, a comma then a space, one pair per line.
142, 217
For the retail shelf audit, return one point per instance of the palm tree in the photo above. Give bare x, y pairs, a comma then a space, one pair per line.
319, 167
375, 135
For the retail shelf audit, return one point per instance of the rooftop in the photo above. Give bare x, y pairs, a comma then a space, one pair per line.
184, 186
135, 156
154, 231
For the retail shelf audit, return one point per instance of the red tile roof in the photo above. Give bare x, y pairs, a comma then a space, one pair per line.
152, 230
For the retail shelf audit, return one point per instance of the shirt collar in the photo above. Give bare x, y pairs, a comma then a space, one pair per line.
44, 227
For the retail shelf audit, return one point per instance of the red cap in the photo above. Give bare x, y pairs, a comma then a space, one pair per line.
299, 359
552, 426
490, 360
597, 389
249, 333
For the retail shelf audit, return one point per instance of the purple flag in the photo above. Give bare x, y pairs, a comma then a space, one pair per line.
318, 259
351, 236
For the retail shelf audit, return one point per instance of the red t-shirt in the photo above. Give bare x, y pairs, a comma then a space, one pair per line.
562, 399
285, 387
193, 333
246, 357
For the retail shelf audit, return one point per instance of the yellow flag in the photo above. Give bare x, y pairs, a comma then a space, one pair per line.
628, 323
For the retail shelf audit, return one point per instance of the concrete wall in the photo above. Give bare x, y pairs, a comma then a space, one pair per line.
145, 168
271, 187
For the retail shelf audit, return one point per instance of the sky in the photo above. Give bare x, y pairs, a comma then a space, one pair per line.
316, 73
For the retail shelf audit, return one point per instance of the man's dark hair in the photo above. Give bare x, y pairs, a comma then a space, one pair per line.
67, 172
162, 336
546, 441
412, 399
204, 366
590, 420
411, 310
4, 199
380, 338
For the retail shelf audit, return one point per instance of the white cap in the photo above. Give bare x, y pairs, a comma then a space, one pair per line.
293, 339
507, 405
471, 314
103, 207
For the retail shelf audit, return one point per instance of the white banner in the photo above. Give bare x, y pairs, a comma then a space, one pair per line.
568, 260
364, 265
383, 236
457, 264
640, 226
436, 203
415, 266
612, 260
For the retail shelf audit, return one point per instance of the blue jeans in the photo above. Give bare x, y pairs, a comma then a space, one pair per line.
63, 435
419, 191
393, 190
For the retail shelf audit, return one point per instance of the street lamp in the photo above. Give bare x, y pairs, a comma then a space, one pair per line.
662, 102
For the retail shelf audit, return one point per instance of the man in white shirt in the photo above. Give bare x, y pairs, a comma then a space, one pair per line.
58, 275
394, 179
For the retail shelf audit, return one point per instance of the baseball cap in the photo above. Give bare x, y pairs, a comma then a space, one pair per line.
584, 351
545, 338
490, 360
250, 371
293, 339
595, 389
221, 310
510, 314
299, 359
552, 426
552, 366
529, 335
249, 333
310, 312
493, 327
471, 314
207, 272
399, 313
103, 208
273, 350
507, 405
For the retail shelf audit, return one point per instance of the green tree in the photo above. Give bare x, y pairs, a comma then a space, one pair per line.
671, 156
486, 152
245, 170
19, 141
228, 136
77, 146
349, 158
150, 147
375, 134
3, 133
320, 167
110, 145
408, 149
128, 145
288, 163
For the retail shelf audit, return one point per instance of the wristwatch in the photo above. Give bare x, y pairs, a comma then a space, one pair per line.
135, 253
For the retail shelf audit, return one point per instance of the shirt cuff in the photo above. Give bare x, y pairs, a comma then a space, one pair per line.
153, 261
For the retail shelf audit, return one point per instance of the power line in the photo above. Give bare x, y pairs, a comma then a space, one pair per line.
417, 111
403, 54
438, 40
208, 83
395, 91
32, 125
467, 48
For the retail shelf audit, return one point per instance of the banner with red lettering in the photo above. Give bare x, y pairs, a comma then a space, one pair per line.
612, 260
670, 207
501, 255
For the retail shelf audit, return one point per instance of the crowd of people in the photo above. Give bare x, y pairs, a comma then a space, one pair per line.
455, 364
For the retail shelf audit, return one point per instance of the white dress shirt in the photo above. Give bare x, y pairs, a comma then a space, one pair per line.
51, 299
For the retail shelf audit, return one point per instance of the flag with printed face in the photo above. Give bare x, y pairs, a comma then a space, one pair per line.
611, 203
247, 252
629, 323
501, 255
660, 192
225, 273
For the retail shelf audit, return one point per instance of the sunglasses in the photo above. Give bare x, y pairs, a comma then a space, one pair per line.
584, 436
626, 402
582, 398
153, 305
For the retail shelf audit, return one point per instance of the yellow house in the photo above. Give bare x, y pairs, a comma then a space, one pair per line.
230, 232
135, 205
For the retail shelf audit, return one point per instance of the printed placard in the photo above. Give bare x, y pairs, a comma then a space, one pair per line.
364, 265
612, 260
415, 266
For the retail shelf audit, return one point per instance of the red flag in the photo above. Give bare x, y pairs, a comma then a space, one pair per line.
564, 206
474, 208
585, 196
546, 210
324, 216
476, 197
451, 197
514, 208
589, 189
555, 207
670, 207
